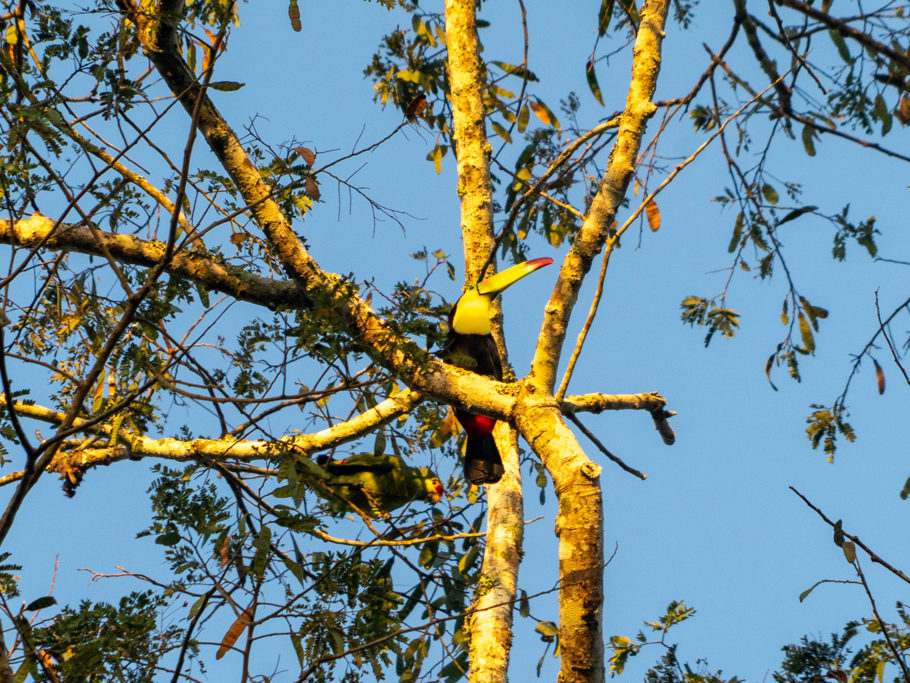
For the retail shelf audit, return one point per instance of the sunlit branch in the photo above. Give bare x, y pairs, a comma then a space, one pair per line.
609, 196
196, 267
134, 446
652, 402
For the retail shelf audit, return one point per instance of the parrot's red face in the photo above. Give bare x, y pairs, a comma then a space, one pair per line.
435, 490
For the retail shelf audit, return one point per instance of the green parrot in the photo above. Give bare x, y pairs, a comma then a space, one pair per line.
378, 484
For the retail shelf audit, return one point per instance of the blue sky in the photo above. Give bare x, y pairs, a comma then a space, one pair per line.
715, 524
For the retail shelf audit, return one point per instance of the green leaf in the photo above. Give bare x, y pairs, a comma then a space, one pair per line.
881, 112
427, 554
41, 603
737, 233
226, 86
516, 70
464, 564
841, 46
168, 538
592, 82
838, 533
198, 605
796, 213
379, 444
629, 7
262, 544
809, 140
604, 16
768, 367
501, 132
524, 605
770, 194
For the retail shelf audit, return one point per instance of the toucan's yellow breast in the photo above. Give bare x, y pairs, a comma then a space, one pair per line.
472, 314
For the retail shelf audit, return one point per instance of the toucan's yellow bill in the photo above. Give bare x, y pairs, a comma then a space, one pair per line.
497, 283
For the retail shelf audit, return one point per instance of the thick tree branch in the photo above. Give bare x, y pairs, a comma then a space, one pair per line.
579, 526
198, 267
134, 446
602, 213
157, 31
653, 402
491, 620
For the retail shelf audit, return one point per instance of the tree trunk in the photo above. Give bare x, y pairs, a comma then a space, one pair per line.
491, 622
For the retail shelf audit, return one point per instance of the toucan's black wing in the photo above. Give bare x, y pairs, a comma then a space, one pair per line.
474, 352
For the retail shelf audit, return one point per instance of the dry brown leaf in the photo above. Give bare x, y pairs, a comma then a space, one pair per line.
904, 108
312, 188
294, 16
235, 631
415, 107
225, 551
308, 155
879, 376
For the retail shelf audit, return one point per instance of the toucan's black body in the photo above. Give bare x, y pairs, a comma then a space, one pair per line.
478, 353
470, 345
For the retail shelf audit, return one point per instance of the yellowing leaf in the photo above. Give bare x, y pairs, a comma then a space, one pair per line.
235, 631
653, 214
547, 630
98, 396
523, 117
805, 331
543, 112
770, 194
501, 132
849, 551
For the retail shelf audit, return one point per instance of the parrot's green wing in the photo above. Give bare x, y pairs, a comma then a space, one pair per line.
378, 484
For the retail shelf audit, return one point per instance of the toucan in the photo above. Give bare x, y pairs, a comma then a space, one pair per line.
378, 484
470, 345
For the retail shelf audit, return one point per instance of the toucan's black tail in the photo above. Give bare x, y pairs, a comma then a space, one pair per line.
482, 464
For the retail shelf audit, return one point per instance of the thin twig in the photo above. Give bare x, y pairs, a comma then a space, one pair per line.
603, 449
872, 555
881, 326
